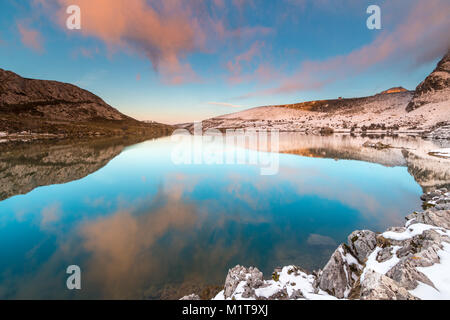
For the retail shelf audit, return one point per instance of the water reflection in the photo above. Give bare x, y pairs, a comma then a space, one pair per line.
26, 166
141, 227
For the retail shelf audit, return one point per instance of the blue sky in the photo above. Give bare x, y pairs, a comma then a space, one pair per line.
175, 61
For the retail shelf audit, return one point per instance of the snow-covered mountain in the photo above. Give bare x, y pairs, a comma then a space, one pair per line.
393, 110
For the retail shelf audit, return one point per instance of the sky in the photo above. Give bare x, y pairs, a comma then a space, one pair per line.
175, 61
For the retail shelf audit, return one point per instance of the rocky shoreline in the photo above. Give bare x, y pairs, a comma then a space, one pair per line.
402, 263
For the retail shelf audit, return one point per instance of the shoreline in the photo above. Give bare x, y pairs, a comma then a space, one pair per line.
402, 263
441, 132
29, 137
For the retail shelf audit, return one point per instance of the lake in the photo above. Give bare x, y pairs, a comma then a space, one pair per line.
142, 227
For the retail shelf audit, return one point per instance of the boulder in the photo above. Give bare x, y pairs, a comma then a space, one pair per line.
297, 294
437, 218
420, 251
376, 286
191, 297
282, 295
385, 254
252, 276
340, 273
407, 276
362, 243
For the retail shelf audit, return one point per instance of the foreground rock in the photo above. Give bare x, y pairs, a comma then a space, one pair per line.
439, 199
191, 297
249, 280
379, 287
362, 243
340, 273
403, 263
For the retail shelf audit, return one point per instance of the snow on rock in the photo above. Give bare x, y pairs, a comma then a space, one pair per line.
410, 263
241, 282
443, 153
191, 297
373, 263
340, 273
376, 286
405, 272
289, 283
438, 199
362, 243
408, 233
439, 274
433, 217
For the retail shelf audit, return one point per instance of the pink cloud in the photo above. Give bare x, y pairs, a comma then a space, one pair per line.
86, 52
421, 37
236, 67
219, 3
163, 31
30, 37
264, 73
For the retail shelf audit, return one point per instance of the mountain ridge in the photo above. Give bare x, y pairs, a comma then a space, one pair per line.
389, 111
435, 87
40, 107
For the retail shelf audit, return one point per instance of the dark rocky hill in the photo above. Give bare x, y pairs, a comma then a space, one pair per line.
52, 107
435, 88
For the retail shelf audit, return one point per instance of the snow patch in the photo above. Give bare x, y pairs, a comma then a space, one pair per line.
444, 153
440, 276
380, 267
411, 231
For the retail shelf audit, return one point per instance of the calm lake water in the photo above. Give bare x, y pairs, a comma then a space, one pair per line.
141, 227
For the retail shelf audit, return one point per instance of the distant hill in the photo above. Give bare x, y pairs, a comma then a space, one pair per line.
394, 90
42, 106
393, 110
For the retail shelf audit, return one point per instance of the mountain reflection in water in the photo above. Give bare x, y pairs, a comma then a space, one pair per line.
142, 227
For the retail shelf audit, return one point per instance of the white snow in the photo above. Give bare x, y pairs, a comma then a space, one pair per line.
445, 152
380, 267
439, 274
389, 109
411, 231
291, 279
348, 257
409, 222
219, 296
